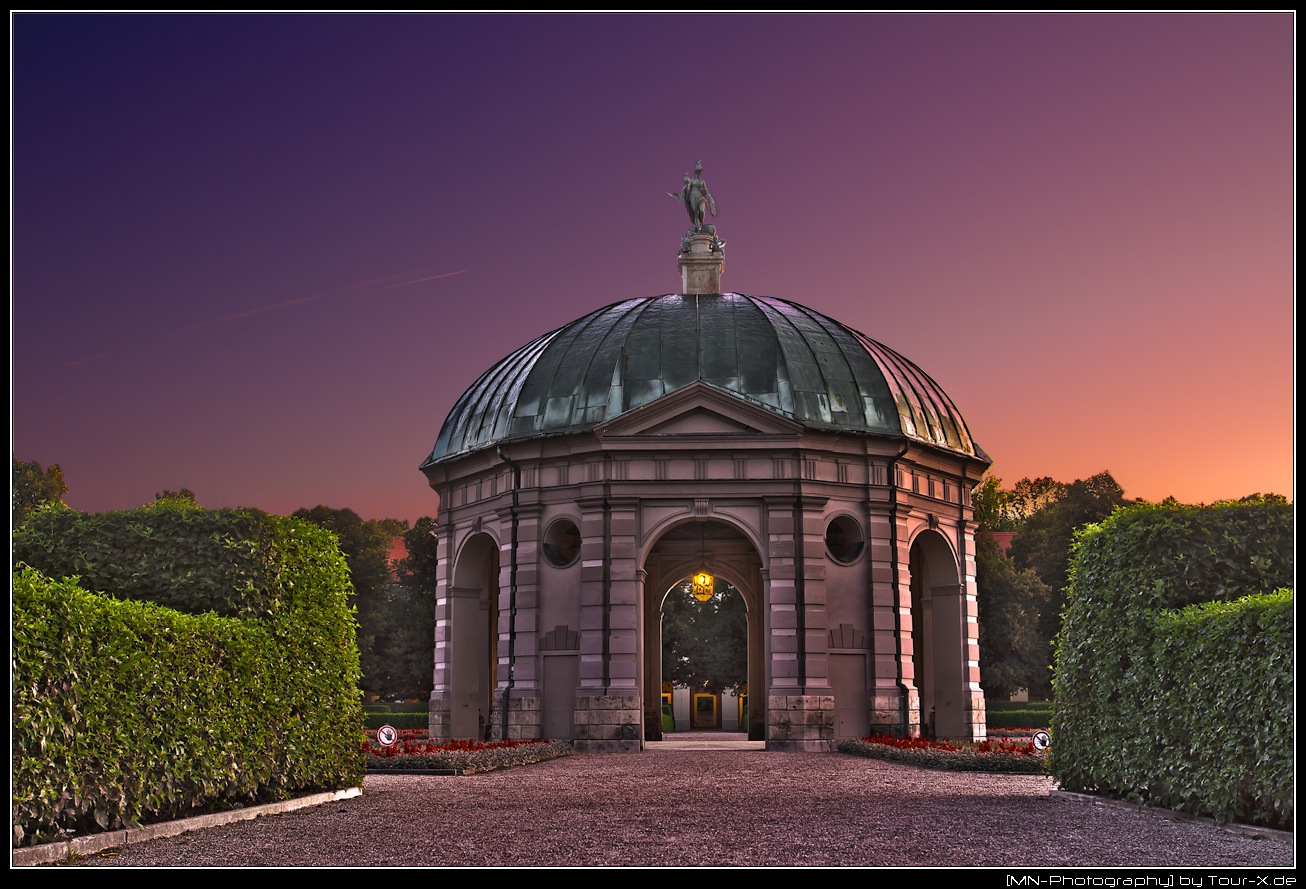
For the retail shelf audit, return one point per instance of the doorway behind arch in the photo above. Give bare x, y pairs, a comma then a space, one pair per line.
732, 559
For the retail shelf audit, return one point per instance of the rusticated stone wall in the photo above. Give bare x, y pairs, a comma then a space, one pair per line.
800, 723
609, 724
523, 718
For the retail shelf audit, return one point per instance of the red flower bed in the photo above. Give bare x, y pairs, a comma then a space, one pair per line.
416, 742
909, 743
999, 746
1025, 748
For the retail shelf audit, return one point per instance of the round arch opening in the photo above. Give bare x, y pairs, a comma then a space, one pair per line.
472, 621
704, 681
729, 555
938, 612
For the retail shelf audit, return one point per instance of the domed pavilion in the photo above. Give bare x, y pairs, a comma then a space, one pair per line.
820, 473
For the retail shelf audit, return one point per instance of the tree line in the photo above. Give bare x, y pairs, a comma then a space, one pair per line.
394, 601
1022, 592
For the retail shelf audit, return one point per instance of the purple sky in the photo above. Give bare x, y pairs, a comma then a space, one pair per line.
1080, 226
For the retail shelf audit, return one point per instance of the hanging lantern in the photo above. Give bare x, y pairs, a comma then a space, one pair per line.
704, 585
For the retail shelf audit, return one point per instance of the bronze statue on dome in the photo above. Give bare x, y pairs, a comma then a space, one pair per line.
694, 195
697, 200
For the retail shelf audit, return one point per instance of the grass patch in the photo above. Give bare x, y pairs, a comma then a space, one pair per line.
986, 756
392, 707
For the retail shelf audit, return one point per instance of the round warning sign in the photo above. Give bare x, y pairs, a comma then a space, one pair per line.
387, 736
1042, 740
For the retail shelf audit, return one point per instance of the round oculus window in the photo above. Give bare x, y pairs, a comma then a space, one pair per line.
562, 543
843, 539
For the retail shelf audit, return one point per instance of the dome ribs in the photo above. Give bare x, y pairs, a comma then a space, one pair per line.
771, 352
470, 408
930, 405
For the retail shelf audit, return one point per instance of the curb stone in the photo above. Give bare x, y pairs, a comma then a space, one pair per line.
47, 853
1246, 830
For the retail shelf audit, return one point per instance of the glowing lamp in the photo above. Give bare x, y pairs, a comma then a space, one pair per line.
703, 586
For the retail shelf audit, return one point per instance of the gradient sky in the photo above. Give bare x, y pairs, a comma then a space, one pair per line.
261, 256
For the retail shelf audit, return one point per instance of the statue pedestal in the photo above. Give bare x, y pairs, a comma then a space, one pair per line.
701, 267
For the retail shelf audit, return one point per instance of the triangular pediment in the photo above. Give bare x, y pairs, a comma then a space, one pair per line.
699, 421
699, 409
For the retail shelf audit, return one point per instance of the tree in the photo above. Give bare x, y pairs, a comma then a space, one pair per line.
992, 505
406, 641
705, 644
1001, 510
366, 546
1031, 495
1043, 541
1021, 594
35, 487
184, 497
1014, 652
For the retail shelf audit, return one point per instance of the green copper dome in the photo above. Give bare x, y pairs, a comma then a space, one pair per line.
770, 352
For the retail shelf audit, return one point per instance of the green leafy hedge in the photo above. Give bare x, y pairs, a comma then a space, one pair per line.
395, 720
1174, 675
126, 711
170, 553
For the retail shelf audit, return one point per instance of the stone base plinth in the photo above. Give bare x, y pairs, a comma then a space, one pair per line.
800, 723
609, 724
438, 719
701, 266
524, 718
976, 717
887, 715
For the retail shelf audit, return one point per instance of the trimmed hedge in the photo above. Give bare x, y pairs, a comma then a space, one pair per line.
396, 720
126, 711
1018, 718
171, 553
1174, 678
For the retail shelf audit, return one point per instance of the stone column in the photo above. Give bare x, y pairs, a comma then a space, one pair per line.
976, 717
800, 703
781, 600
650, 635
609, 713
758, 659
438, 712
525, 701
895, 710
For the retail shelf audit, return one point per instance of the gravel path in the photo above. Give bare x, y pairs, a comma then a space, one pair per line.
689, 807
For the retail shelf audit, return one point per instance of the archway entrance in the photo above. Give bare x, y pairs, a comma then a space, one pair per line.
732, 560
938, 618
704, 658
473, 623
